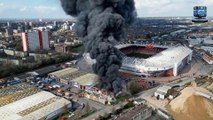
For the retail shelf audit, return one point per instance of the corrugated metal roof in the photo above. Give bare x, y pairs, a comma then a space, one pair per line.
63, 72
87, 80
29, 106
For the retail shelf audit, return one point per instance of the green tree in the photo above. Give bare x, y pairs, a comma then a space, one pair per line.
134, 87
87, 108
78, 113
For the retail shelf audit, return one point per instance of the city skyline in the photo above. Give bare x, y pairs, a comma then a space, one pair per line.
145, 8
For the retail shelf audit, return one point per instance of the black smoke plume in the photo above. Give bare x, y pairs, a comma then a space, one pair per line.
101, 24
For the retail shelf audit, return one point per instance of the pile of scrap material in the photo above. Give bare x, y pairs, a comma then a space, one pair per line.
188, 106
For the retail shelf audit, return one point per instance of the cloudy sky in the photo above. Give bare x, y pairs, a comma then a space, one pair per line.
145, 8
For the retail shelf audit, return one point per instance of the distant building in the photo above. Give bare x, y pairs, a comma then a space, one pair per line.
35, 40
65, 26
72, 26
208, 49
15, 53
55, 24
8, 32
21, 28
8, 24
31, 24
12, 60
62, 48
208, 58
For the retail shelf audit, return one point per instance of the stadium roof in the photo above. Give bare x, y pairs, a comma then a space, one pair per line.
32, 107
120, 46
161, 61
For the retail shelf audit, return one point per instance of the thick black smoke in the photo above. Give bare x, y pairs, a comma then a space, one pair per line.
101, 25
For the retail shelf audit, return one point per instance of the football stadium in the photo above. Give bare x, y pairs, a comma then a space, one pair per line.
154, 60
149, 60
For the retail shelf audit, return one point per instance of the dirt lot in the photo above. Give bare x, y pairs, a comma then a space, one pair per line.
188, 106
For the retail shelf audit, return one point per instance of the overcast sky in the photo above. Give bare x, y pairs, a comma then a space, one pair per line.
145, 8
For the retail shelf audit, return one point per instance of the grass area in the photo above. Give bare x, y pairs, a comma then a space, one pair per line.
89, 113
120, 99
138, 55
78, 49
62, 115
129, 105
123, 98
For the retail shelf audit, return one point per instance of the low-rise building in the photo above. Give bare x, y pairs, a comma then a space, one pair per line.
98, 95
162, 92
208, 49
15, 53
76, 78
62, 48
139, 101
3, 83
38, 56
141, 112
11, 60
208, 58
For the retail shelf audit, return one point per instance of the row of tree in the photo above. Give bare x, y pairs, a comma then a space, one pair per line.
9, 69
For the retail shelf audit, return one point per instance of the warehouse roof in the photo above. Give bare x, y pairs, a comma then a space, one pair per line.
63, 72
87, 80
163, 89
32, 107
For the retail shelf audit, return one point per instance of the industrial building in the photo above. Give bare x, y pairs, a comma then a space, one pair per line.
140, 112
76, 78
208, 54
162, 92
208, 58
24, 102
62, 48
34, 40
98, 95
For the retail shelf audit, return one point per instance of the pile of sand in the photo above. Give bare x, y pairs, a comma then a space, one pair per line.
188, 106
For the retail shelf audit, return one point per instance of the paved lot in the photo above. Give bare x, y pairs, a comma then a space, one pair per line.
152, 101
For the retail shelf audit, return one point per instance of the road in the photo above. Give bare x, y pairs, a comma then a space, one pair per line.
91, 103
152, 101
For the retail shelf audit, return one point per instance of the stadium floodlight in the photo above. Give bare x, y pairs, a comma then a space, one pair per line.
200, 14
